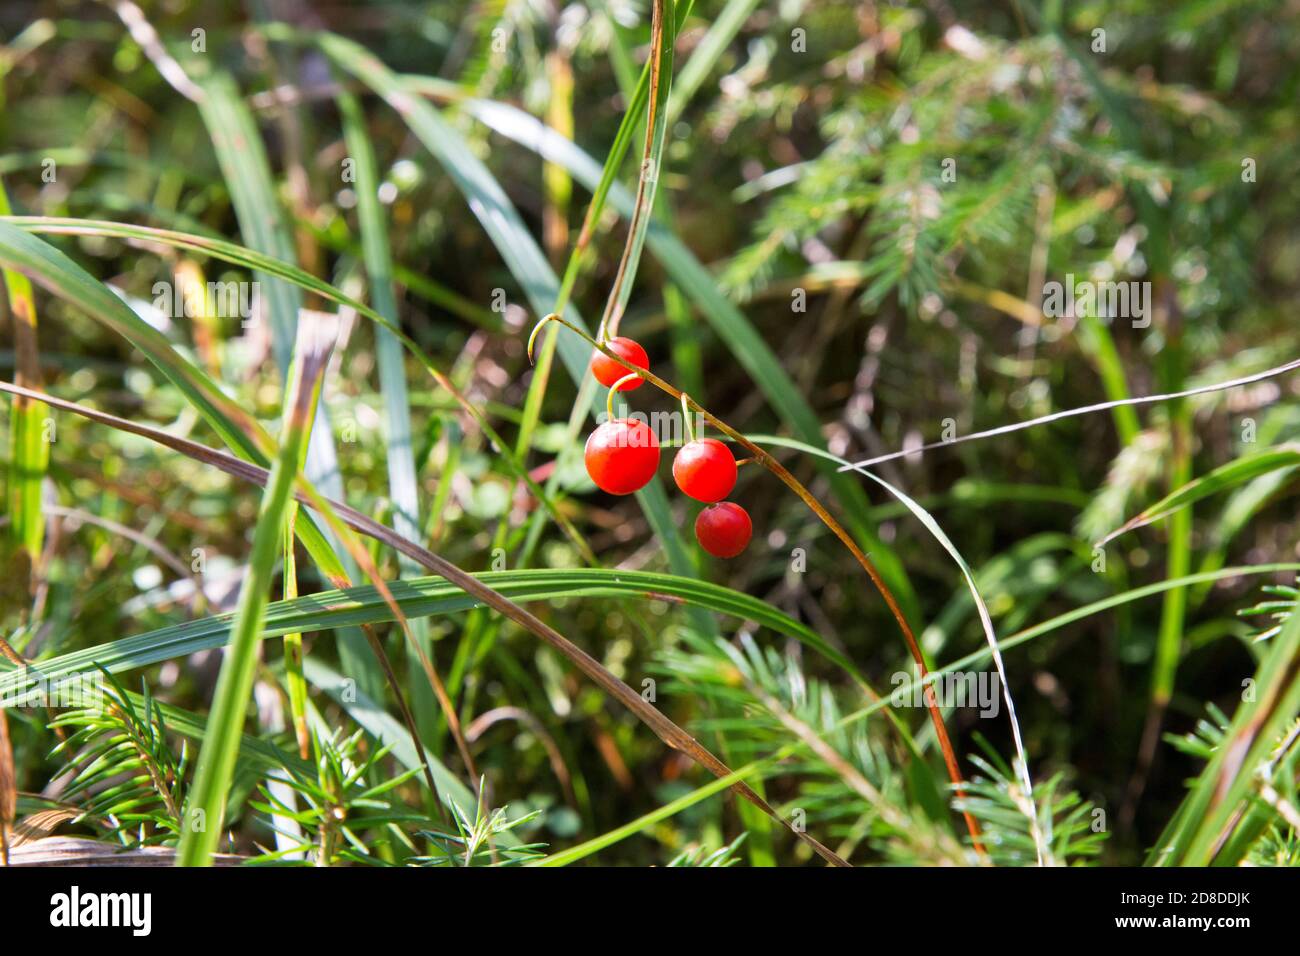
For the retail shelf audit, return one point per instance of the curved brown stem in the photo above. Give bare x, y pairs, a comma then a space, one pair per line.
760, 456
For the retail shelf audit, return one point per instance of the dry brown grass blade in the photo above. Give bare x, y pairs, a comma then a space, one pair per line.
8, 787
41, 824
480, 725
78, 851
329, 511
667, 731
408, 718
12, 656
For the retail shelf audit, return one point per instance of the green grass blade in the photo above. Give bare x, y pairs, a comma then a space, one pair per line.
417, 597
1225, 476
29, 452
1217, 797
642, 823
295, 682
58, 274
392, 374
1095, 338
247, 172
399, 444
216, 761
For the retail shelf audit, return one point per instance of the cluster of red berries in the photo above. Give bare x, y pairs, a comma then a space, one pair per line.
622, 456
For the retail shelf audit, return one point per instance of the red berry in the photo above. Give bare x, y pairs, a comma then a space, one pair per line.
705, 469
607, 371
723, 530
622, 456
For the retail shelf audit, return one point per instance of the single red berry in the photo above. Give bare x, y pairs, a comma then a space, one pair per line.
705, 469
622, 456
724, 529
607, 371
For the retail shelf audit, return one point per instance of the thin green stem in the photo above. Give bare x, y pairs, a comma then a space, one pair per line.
205, 812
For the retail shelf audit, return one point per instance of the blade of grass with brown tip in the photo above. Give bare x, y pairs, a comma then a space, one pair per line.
206, 805
613, 162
